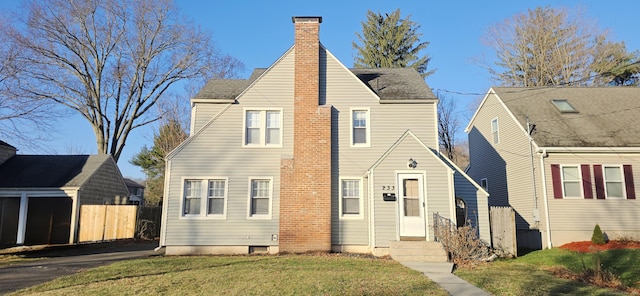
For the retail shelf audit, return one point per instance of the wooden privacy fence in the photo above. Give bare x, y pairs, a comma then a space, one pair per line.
148, 222
107, 222
503, 230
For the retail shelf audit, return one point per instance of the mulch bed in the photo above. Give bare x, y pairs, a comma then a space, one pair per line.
587, 246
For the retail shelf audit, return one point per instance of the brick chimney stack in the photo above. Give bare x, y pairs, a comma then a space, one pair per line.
305, 183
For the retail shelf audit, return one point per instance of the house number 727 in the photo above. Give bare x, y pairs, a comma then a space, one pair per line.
388, 187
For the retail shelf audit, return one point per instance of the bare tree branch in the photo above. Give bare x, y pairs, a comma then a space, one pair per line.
112, 60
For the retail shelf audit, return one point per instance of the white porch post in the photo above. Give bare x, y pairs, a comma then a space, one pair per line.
22, 218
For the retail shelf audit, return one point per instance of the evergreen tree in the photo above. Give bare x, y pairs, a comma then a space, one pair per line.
388, 41
151, 160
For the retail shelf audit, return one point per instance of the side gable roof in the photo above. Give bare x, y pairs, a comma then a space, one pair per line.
5, 144
605, 117
49, 171
435, 154
389, 84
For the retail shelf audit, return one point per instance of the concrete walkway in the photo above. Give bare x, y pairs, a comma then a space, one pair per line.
441, 274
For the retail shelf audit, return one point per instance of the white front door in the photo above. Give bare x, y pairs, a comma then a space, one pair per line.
411, 205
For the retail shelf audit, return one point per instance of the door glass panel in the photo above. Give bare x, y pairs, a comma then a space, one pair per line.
411, 198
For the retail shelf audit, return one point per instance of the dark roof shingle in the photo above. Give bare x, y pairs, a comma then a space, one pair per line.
605, 117
49, 171
388, 83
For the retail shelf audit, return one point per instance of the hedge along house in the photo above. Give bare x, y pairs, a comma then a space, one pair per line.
41, 195
308, 155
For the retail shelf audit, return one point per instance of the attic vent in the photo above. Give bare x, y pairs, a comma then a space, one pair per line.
564, 106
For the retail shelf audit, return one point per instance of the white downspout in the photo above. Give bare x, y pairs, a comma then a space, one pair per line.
22, 218
372, 226
543, 154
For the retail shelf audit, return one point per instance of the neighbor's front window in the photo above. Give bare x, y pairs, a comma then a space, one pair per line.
614, 182
208, 194
571, 181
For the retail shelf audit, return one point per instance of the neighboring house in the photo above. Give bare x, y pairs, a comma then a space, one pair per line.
578, 168
136, 192
41, 195
309, 155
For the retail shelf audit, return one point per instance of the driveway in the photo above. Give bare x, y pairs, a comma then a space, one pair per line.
59, 261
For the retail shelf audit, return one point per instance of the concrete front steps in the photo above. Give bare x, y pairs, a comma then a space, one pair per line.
417, 251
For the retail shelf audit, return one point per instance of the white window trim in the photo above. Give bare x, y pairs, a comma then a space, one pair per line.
204, 198
368, 135
623, 181
360, 214
259, 217
486, 184
581, 189
495, 140
263, 128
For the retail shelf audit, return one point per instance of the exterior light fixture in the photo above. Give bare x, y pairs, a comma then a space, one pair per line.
412, 164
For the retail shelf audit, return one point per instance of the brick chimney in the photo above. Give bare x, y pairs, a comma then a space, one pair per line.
305, 183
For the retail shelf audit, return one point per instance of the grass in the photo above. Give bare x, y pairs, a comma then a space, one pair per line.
532, 274
245, 275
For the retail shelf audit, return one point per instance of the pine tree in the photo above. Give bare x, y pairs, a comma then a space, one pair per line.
169, 136
389, 41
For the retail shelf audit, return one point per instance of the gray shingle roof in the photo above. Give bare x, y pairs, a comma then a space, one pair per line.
395, 83
5, 144
49, 171
388, 83
606, 116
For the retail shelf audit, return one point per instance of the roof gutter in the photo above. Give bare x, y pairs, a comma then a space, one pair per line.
416, 101
589, 149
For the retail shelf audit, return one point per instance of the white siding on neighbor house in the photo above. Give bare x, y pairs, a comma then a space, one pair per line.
385, 174
388, 122
506, 165
218, 151
574, 219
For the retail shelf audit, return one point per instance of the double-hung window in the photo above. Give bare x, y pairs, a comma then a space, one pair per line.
260, 198
263, 127
208, 194
494, 131
350, 198
614, 182
360, 127
216, 197
571, 181
192, 197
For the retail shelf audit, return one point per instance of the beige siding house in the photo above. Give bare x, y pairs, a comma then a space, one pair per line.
41, 195
309, 155
578, 167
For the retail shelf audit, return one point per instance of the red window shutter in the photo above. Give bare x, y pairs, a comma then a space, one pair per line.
586, 181
599, 178
557, 182
628, 181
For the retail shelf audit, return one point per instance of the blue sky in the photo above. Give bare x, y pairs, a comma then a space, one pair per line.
258, 32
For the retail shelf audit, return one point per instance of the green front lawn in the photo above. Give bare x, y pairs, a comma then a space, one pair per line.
245, 275
537, 273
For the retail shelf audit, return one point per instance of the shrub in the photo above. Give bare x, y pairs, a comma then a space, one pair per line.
598, 238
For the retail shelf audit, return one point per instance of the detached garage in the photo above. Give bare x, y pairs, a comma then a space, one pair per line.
41, 195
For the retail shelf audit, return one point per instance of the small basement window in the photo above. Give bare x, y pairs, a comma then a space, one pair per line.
564, 106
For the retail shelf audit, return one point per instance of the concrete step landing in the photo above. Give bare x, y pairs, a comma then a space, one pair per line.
417, 251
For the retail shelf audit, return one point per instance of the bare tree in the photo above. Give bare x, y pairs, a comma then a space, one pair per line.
111, 60
542, 47
19, 114
448, 126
